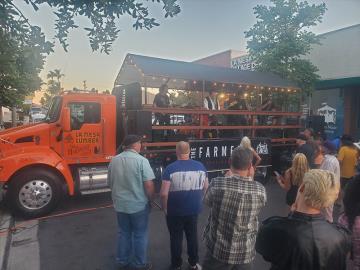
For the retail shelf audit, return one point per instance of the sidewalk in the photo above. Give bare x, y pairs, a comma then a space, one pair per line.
6, 221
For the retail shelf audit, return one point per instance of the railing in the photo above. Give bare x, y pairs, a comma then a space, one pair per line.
199, 125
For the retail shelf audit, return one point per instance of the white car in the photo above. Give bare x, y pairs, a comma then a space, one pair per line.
37, 117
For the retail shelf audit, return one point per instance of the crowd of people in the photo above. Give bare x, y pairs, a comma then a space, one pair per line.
309, 238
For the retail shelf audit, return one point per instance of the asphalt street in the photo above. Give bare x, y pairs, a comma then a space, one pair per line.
87, 240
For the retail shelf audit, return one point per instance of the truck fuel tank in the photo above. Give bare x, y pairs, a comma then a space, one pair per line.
93, 179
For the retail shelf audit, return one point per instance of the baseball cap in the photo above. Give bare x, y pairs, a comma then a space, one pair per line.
131, 139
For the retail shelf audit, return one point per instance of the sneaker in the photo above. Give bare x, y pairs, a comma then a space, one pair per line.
195, 267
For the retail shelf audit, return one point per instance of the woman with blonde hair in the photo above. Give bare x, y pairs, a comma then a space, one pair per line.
246, 143
293, 177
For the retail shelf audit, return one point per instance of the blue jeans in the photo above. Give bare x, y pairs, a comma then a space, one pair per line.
133, 238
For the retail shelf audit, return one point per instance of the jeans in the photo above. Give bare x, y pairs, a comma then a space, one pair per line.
177, 225
210, 263
132, 238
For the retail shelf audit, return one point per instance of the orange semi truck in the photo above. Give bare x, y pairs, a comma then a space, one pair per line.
65, 154
68, 153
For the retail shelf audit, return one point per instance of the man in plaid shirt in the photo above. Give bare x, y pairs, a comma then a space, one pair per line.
235, 202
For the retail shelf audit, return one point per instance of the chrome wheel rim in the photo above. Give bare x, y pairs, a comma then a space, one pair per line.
35, 194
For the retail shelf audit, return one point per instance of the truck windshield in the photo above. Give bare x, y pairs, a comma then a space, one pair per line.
54, 111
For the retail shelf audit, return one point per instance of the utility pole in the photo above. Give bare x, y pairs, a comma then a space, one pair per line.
84, 85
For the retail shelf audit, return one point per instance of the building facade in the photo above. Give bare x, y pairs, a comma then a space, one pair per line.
337, 95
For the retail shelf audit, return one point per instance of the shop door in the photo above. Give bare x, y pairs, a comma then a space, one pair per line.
84, 142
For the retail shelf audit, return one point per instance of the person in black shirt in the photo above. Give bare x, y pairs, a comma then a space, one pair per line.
162, 100
236, 120
305, 240
307, 148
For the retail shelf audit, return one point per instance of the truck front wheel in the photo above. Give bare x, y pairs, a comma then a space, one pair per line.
34, 192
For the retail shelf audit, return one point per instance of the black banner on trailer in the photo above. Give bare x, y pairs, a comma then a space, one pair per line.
215, 154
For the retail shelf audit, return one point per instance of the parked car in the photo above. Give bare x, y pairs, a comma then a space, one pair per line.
37, 117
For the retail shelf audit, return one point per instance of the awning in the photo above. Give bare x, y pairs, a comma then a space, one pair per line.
152, 72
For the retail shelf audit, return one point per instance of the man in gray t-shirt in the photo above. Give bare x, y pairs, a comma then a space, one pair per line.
130, 179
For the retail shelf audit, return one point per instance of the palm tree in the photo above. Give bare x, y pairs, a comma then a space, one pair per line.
51, 75
58, 75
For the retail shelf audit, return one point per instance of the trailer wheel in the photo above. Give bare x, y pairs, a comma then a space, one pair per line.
34, 192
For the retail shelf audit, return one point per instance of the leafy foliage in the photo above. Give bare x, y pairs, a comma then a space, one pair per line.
22, 53
281, 38
53, 86
23, 47
102, 15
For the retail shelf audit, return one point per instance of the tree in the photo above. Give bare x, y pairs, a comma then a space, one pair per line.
102, 14
281, 38
22, 52
23, 47
53, 86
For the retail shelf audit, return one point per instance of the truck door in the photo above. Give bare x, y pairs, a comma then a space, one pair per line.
84, 142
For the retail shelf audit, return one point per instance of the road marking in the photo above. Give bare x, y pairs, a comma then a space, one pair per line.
24, 251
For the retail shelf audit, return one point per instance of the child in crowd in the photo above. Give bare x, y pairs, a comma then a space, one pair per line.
293, 177
351, 219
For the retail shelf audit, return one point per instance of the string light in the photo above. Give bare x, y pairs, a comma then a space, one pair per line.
223, 85
269, 88
194, 82
254, 87
240, 85
214, 83
246, 94
289, 90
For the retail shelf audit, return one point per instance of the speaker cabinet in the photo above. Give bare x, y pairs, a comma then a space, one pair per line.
139, 122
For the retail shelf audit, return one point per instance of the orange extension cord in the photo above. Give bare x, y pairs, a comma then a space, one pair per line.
74, 212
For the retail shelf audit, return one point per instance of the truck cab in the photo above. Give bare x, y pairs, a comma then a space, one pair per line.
66, 153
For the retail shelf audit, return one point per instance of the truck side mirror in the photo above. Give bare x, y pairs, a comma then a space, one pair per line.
65, 119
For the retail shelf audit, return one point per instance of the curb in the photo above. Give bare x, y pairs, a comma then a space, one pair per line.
6, 221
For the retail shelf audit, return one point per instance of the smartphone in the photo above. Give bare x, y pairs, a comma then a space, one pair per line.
276, 173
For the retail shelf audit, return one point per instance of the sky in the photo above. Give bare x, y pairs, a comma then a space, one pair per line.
203, 27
